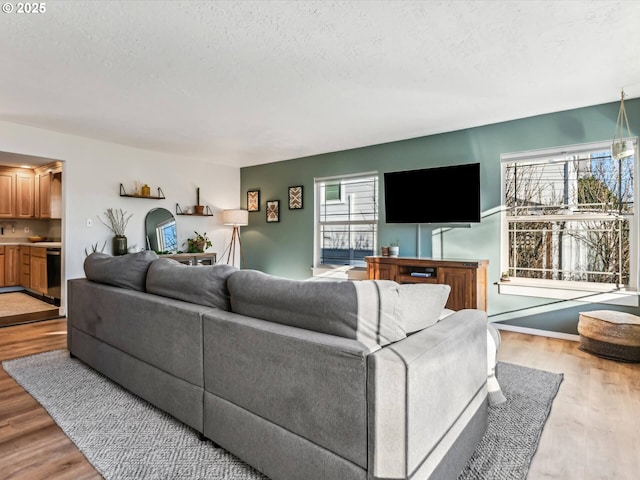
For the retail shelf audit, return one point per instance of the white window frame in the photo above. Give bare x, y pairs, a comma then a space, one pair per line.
562, 289
317, 244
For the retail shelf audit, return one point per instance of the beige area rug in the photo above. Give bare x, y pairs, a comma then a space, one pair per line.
18, 307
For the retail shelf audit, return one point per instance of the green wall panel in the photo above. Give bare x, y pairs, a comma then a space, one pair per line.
286, 248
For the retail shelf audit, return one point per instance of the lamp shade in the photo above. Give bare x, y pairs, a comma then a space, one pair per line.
235, 217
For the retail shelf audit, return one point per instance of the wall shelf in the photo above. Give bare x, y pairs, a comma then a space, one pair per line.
160, 196
207, 212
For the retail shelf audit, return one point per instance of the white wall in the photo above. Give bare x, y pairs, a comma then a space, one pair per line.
92, 173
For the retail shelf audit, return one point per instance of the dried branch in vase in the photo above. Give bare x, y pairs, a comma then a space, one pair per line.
117, 221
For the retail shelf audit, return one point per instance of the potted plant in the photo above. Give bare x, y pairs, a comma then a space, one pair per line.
198, 243
394, 248
116, 221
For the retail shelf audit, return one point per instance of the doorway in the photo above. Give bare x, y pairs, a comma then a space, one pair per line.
30, 238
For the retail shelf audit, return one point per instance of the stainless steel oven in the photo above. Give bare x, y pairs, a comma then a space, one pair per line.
54, 274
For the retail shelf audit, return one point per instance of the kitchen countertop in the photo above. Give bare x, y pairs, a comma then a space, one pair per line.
32, 244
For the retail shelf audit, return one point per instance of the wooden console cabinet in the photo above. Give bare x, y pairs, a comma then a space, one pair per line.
467, 278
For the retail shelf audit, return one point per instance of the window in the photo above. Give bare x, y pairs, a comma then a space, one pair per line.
346, 228
570, 216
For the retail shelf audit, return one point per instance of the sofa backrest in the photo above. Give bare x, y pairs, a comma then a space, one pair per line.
126, 271
146, 272
365, 310
202, 285
374, 312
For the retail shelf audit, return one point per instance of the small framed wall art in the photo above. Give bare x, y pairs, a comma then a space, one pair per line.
295, 198
273, 211
253, 201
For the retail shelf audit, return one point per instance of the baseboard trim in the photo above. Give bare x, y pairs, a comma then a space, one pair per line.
535, 331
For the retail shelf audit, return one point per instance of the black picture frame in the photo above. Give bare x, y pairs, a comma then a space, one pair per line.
295, 197
253, 200
273, 211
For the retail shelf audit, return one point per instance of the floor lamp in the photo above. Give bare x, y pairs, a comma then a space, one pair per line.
237, 218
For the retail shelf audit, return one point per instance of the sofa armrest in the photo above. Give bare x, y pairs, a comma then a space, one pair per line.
421, 393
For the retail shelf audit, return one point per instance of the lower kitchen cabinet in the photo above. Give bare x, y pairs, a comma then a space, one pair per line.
9, 265
38, 269
25, 267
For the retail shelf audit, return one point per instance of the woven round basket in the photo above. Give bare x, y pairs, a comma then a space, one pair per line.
610, 334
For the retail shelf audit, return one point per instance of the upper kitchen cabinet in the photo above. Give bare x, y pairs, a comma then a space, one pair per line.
17, 193
24, 194
48, 191
7, 193
31, 193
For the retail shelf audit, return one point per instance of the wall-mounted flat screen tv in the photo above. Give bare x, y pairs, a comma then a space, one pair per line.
448, 194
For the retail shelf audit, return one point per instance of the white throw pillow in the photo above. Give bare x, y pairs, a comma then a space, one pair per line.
421, 304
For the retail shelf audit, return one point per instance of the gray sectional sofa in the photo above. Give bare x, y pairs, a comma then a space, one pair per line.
301, 380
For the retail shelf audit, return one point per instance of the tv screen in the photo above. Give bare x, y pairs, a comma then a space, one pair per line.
448, 194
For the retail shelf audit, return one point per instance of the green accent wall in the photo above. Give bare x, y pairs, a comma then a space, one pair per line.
285, 248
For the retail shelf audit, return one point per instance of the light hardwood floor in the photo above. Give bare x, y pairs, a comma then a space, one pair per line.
32, 446
593, 431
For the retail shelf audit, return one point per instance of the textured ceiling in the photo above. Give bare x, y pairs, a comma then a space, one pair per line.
250, 82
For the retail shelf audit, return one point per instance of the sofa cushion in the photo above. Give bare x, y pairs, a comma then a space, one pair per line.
422, 304
364, 310
202, 285
125, 271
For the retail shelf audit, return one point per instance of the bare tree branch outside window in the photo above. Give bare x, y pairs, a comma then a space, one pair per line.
569, 219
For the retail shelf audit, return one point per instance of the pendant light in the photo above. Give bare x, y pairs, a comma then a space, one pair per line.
622, 146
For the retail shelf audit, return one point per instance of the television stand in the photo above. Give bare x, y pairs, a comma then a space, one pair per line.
467, 278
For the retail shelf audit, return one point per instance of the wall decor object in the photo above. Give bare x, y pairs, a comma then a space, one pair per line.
197, 208
273, 211
295, 198
253, 201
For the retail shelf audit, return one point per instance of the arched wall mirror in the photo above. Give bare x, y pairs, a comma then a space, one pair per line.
161, 231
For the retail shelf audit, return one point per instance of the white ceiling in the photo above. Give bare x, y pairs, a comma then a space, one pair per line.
250, 82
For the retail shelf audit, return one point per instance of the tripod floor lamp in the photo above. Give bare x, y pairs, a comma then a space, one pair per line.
237, 218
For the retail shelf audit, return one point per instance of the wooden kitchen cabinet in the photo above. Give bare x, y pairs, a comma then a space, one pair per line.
24, 194
43, 195
467, 278
36, 193
11, 265
38, 269
7, 193
17, 193
25, 267
48, 191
